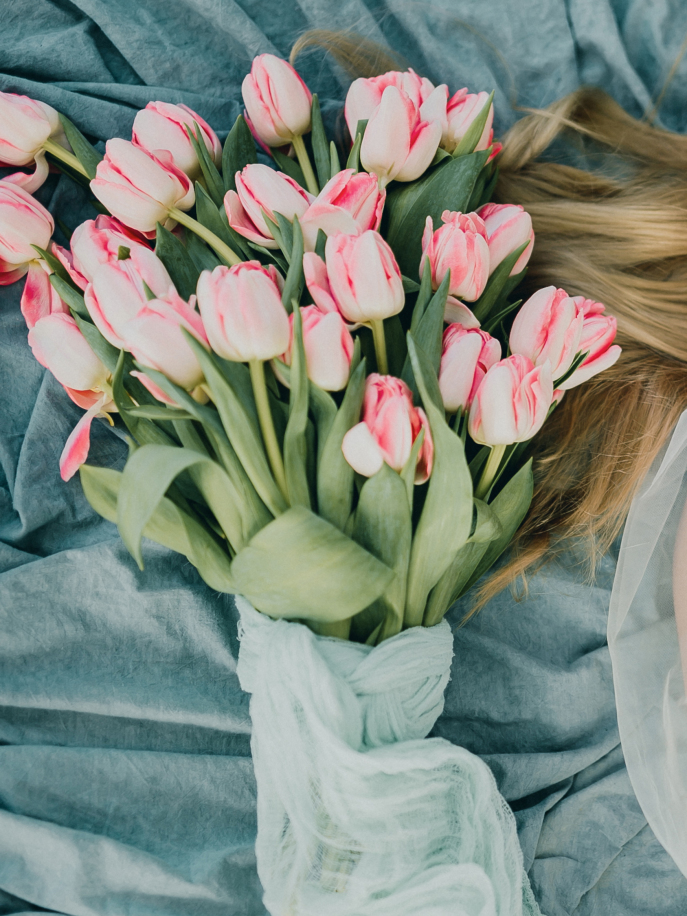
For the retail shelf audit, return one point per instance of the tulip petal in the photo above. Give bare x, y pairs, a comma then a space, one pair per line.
76, 447
361, 451
31, 181
39, 299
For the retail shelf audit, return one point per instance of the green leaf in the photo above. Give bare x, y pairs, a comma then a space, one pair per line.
422, 301
494, 322
410, 286
200, 254
239, 151
148, 475
447, 187
383, 527
212, 177
409, 468
353, 161
293, 286
144, 430
153, 412
320, 147
295, 447
335, 475
256, 512
334, 164
88, 156
396, 349
288, 166
73, 297
209, 216
300, 566
446, 518
169, 525
451, 586
496, 283
285, 233
323, 409
474, 132
177, 261
240, 430
428, 335
320, 243
55, 265
106, 353
510, 506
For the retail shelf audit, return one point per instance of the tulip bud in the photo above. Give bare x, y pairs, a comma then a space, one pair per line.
462, 109
598, 333
140, 188
97, 242
360, 279
23, 223
155, 338
117, 293
277, 100
508, 227
460, 245
259, 188
548, 328
25, 126
350, 202
59, 345
328, 346
511, 402
399, 143
242, 312
162, 126
466, 356
390, 425
365, 94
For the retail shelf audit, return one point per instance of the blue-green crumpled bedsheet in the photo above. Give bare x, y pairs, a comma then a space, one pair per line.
126, 784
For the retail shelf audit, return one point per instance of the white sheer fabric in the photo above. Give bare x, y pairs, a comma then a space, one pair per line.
647, 627
358, 813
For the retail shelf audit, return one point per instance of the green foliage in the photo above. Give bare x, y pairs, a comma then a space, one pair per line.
238, 152
302, 566
85, 152
320, 147
178, 262
295, 446
212, 177
474, 132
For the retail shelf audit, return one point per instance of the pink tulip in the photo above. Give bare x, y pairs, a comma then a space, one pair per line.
365, 94
462, 109
508, 227
243, 313
139, 188
258, 188
350, 202
94, 243
59, 345
25, 126
390, 425
23, 223
328, 346
466, 357
360, 278
598, 333
277, 100
511, 403
399, 143
155, 338
548, 327
460, 245
162, 126
117, 294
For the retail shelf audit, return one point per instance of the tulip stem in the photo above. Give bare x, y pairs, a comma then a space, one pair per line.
223, 250
304, 162
380, 346
59, 152
257, 377
490, 471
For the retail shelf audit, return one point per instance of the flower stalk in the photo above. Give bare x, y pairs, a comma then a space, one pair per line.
305, 164
223, 250
257, 377
490, 471
59, 152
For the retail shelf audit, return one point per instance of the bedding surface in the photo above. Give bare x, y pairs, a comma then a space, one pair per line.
126, 784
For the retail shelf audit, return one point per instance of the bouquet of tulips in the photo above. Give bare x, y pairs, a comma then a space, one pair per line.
329, 387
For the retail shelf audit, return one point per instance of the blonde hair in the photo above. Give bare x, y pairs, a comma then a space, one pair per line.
616, 233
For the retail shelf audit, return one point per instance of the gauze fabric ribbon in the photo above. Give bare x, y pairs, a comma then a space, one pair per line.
359, 813
647, 624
